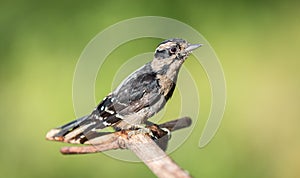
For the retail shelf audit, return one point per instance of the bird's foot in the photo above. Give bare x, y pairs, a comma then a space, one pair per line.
140, 130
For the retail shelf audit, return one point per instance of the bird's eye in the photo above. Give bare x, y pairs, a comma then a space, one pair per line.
173, 49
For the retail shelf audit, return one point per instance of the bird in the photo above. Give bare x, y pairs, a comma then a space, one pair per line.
138, 97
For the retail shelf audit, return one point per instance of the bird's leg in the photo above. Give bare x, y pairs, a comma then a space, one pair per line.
154, 131
139, 129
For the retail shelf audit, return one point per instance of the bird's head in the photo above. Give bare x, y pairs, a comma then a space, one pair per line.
171, 53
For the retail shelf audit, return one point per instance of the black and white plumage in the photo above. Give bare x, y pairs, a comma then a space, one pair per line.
141, 95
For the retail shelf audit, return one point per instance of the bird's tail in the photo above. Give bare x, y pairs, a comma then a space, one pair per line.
78, 131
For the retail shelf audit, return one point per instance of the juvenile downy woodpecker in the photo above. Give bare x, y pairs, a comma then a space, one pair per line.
140, 96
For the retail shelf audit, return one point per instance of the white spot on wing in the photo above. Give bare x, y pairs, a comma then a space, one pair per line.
98, 117
119, 116
109, 111
106, 123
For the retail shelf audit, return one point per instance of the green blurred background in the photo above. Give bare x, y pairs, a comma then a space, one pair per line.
257, 43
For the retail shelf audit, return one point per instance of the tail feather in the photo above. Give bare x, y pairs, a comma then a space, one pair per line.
72, 132
65, 129
85, 128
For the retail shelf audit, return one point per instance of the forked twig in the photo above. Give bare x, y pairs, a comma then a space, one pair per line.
149, 148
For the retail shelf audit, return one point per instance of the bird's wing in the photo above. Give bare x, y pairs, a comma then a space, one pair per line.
135, 93
138, 92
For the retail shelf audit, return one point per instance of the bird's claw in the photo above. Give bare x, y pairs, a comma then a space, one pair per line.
140, 131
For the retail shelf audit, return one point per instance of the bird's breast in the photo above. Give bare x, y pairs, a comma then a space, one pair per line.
167, 85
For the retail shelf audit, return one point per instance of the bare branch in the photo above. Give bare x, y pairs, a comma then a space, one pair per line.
149, 151
155, 158
112, 141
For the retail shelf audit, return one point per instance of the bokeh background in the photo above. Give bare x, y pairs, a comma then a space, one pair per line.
257, 43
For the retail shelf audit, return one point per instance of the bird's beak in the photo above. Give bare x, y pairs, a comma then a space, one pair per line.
192, 47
